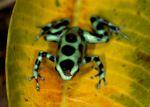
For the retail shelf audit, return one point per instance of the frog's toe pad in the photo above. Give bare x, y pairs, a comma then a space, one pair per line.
38, 87
105, 83
98, 86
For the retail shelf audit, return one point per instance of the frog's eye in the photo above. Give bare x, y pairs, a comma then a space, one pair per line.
94, 18
66, 21
59, 23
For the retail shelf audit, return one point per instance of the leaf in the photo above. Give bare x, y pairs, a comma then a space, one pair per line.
126, 61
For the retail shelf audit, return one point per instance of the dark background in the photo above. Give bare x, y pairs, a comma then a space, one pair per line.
6, 7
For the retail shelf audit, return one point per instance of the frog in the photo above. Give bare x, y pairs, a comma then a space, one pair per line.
72, 47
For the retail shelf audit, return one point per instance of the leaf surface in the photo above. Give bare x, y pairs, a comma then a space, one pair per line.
126, 61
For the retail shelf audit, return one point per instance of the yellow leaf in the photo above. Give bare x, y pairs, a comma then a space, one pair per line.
127, 62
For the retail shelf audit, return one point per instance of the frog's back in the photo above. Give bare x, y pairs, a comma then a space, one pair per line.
71, 48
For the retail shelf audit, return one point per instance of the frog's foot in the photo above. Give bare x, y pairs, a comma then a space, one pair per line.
116, 30
36, 76
101, 76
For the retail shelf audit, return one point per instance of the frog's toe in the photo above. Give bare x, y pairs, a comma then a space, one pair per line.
30, 78
98, 86
105, 82
37, 87
42, 78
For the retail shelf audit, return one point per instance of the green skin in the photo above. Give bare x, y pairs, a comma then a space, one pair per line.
76, 55
58, 31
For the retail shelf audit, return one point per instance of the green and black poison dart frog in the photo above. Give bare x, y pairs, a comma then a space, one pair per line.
72, 45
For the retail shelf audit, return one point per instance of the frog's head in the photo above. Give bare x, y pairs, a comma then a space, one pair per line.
60, 23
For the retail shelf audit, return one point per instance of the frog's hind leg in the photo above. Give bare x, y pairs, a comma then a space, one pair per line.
101, 71
38, 61
52, 30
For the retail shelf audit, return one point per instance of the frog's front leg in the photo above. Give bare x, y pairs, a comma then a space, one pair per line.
101, 71
38, 61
